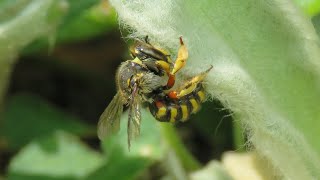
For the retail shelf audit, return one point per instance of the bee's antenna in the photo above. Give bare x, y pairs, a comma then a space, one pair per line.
146, 39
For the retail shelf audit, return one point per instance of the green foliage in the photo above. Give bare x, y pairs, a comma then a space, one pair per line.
90, 23
266, 68
85, 19
28, 117
310, 7
22, 22
148, 144
59, 155
266, 72
53, 154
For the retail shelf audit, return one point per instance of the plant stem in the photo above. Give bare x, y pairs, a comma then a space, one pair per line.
173, 141
238, 136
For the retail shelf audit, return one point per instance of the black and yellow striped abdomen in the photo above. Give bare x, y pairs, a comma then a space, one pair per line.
165, 109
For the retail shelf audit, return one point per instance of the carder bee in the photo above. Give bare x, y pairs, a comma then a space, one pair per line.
148, 80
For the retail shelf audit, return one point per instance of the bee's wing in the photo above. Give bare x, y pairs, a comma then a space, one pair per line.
134, 118
109, 121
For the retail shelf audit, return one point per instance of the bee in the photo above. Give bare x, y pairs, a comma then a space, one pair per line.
148, 80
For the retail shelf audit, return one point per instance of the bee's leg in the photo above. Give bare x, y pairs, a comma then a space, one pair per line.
189, 86
179, 63
181, 58
166, 67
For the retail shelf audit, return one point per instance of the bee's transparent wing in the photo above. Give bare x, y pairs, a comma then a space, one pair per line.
109, 121
134, 119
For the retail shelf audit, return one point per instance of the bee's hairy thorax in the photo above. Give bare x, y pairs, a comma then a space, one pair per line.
149, 82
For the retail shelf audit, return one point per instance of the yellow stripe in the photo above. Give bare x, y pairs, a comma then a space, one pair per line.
174, 113
161, 112
195, 105
184, 110
201, 95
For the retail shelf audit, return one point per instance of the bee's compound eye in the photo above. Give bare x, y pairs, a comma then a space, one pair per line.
140, 53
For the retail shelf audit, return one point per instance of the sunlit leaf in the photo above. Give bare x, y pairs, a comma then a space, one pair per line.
214, 170
84, 20
310, 7
58, 156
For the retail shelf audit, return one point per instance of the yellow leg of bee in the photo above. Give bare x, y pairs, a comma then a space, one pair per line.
166, 67
189, 86
163, 65
181, 58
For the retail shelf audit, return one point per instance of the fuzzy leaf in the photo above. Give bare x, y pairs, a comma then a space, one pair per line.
266, 68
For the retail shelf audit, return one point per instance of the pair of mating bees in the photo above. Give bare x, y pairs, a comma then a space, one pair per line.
148, 80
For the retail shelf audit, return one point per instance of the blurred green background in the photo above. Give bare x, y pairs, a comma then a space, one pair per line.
59, 82
57, 68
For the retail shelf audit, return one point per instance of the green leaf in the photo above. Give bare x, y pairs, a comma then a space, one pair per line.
28, 117
148, 144
316, 23
310, 7
59, 156
121, 168
92, 21
23, 22
265, 56
84, 20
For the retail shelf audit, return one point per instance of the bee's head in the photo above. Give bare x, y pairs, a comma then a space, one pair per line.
144, 50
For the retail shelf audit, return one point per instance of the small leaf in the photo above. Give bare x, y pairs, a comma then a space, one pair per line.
85, 19
27, 117
57, 156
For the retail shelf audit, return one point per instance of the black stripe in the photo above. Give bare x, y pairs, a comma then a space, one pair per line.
189, 106
153, 109
166, 118
196, 97
179, 113
199, 88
